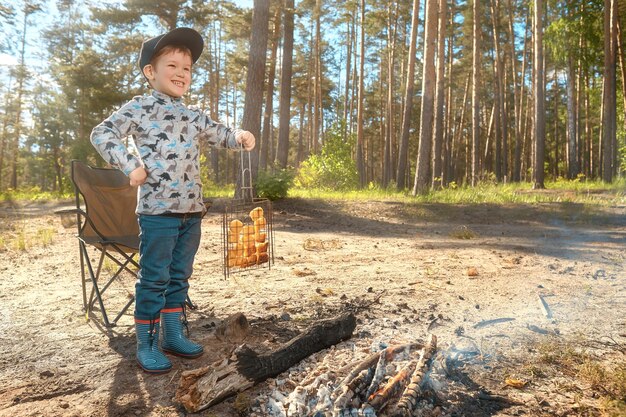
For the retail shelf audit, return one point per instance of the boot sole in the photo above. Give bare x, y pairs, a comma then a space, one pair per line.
183, 355
155, 371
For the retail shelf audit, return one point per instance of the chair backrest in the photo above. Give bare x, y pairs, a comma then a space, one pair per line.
110, 201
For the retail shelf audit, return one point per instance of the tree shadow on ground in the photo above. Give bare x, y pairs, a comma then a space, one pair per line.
565, 230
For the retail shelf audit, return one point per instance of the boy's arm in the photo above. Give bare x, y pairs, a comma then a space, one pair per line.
219, 135
108, 137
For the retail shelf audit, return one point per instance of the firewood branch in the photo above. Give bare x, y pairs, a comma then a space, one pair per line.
409, 398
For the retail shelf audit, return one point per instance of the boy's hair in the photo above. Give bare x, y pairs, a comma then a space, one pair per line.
170, 48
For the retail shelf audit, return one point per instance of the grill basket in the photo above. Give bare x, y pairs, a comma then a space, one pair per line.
247, 229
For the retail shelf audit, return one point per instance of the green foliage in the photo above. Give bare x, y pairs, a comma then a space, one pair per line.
274, 185
576, 191
209, 188
562, 36
87, 68
33, 194
333, 168
205, 172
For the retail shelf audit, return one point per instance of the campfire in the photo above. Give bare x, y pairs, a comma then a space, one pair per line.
386, 383
389, 382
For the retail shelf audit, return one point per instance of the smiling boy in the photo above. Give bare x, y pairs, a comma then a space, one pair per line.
167, 135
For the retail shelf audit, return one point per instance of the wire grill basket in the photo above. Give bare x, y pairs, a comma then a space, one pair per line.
247, 229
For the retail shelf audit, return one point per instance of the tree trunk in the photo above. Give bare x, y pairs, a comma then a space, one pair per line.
214, 77
408, 101
527, 147
387, 170
4, 139
555, 84
539, 132
622, 66
449, 122
346, 98
609, 96
521, 118
578, 100
572, 131
22, 73
282, 151
253, 105
300, 150
457, 141
360, 160
354, 96
588, 137
475, 88
501, 137
265, 144
317, 64
310, 97
488, 159
440, 92
515, 174
428, 98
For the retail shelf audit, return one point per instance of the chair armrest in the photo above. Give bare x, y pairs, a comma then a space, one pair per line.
67, 218
69, 211
207, 205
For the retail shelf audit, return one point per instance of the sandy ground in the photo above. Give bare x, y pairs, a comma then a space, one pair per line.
472, 275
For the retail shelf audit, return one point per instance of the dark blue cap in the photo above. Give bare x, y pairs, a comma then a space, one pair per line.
179, 36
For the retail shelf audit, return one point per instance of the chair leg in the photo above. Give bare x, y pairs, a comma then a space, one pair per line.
128, 304
190, 303
95, 289
123, 266
81, 247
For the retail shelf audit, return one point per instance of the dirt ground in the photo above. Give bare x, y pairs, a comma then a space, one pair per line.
472, 275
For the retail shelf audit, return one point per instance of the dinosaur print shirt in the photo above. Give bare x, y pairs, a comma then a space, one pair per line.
167, 135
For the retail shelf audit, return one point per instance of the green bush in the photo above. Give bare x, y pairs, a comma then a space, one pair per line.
333, 168
274, 185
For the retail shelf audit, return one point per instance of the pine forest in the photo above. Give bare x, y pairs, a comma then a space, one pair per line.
407, 95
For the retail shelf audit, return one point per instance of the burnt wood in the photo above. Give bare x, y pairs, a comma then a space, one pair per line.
202, 388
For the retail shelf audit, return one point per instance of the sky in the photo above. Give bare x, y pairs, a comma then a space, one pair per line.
42, 19
36, 62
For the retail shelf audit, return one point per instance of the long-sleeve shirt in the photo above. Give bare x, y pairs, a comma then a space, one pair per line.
167, 135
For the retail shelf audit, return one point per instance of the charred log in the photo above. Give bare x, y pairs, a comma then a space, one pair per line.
202, 388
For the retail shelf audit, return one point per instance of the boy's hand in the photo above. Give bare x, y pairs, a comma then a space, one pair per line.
138, 176
246, 139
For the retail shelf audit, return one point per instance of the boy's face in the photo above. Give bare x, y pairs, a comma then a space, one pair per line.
171, 73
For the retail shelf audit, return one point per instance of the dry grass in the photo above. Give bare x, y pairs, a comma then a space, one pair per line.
242, 404
20, 237
602, 375
463, 232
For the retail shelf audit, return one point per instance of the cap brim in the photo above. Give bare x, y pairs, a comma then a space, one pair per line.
183, 36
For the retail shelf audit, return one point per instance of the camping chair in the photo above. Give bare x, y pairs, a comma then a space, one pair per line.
109, 224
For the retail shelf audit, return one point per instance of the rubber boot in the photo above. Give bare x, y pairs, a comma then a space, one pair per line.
149, 356
174, 341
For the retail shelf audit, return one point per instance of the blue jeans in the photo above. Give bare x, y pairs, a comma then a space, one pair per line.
167, 247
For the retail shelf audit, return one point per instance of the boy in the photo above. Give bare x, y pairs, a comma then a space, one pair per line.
169, 205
